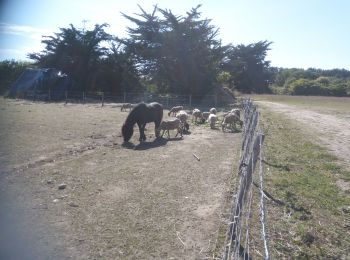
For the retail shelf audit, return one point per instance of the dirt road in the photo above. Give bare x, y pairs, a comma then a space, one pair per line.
153, 201
332, 130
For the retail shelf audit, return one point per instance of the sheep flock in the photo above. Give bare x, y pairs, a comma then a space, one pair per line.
179, 120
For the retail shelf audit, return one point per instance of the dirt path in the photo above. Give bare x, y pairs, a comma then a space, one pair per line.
155, 201
332, 131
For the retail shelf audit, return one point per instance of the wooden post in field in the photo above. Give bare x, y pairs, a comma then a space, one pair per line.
83, 97
103, 98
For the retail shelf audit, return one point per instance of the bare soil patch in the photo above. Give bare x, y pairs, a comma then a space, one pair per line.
150, 201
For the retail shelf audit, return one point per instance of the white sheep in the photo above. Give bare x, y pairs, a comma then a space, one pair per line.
183, 116
213, 110
205, 115
237, 112
196, 113
125, 106
231, 119
171, 124
212, 120
174, 110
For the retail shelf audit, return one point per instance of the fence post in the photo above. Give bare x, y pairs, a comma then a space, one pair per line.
66, 94
190, 101
124, 97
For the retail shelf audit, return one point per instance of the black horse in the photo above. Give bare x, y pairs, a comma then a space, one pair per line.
142, 114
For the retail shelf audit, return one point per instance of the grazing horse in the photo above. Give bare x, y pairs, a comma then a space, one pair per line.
142, 114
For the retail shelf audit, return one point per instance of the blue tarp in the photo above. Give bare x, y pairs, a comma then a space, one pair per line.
40, 82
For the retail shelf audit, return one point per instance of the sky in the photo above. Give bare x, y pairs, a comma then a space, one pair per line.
304, 33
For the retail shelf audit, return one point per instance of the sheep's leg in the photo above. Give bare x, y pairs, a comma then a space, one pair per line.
168, 134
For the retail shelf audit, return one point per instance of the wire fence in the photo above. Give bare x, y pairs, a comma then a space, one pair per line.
106, 98
241, 236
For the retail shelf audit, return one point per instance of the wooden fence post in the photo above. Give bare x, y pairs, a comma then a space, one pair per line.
246, 171
102, 98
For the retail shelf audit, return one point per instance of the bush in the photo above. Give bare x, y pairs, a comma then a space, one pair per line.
306, 87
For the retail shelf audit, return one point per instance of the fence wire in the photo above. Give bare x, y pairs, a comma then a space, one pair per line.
241, 236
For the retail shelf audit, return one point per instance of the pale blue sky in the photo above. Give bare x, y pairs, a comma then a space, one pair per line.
305, 33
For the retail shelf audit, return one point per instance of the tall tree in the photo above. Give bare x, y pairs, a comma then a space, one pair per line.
178, 54
77, 52
247, 65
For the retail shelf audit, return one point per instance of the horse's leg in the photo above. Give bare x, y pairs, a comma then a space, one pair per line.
143, 132
156, 129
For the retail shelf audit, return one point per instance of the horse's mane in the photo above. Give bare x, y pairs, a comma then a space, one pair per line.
130, 119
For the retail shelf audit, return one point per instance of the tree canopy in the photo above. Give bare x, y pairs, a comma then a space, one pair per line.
163, 52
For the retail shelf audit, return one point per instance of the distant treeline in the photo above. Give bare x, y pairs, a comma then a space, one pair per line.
167, 53
335, 82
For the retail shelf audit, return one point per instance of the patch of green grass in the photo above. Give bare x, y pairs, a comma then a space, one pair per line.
302, 174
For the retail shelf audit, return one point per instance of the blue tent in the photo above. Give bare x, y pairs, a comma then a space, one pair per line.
44, 83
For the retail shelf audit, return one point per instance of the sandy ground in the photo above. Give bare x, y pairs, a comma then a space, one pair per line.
149, 201
332, 131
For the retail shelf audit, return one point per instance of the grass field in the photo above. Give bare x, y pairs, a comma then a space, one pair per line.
305, 175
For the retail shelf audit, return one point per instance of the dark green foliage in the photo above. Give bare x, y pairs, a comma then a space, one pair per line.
168, 53
10, 70
315, 82
177, 54
248, 68
79, 53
